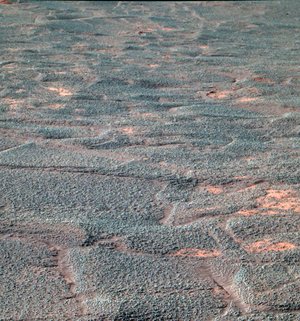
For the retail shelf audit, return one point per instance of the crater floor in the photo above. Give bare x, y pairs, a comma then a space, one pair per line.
149, 160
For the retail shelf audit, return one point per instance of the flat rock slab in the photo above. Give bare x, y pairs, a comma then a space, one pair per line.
149, 159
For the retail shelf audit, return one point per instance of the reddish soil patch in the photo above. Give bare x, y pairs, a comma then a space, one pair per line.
61, 91
256, 211
219, 94
268, 246
248, 212
192, 252
285, 200
214, 189
167, 29
203, 46
145, 30
241, 178
128, 130
250, 187
246, 99
217, 291
153, 65
275, 202
248, 158
13, 103
206, 50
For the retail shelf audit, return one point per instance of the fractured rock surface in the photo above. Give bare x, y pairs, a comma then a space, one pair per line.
149, 159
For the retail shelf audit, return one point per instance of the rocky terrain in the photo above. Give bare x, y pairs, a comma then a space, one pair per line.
149, 160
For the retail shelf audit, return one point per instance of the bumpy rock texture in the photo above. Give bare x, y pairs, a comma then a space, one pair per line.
149, 161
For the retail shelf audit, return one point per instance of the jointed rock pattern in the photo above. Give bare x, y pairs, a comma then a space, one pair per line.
149, 161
